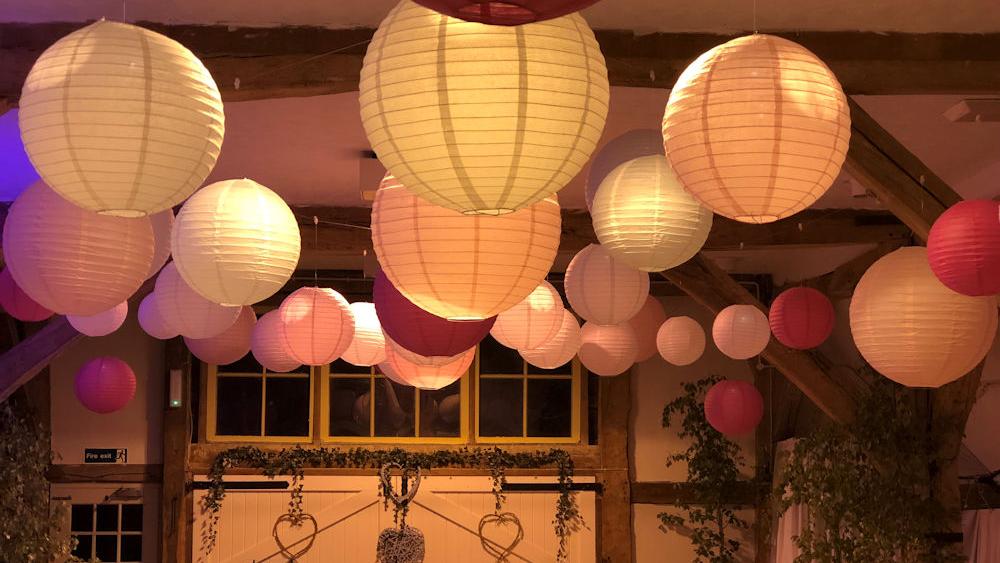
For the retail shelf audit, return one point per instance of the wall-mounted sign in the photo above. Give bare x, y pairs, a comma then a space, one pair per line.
105, 455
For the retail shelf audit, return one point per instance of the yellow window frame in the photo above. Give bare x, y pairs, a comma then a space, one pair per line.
212, 374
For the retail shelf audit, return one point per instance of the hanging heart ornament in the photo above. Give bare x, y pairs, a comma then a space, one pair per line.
294, 522
500, 521
408, 475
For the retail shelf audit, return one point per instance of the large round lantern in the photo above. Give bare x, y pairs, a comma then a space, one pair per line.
643, 216
506, 12
964, 247
741, 331
121, 120
680, 341
268, 344
734, 407
318, 325
102, 323
104, 384
482, 119
532, 322
428, 375
462, 267
645, 324
914, 330
621, 149
17, 303
236, 242
602, 289
163, 225
228, 346
151, 320
367, 348
607, 349
70, 260
757, 128
187, 312
560, 349
801, 318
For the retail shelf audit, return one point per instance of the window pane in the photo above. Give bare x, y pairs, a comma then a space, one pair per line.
441, 411
246, 364
394, 408
131, 517
238, 408
106, 548
84, 547
501, 403
107, 518
132, 547
349, 407
81, 518
498, 359
288, 406
550, 404
340, 366
593, 411
565, 369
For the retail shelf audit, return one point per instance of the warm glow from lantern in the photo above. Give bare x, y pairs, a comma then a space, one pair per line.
560, 349
268, 344
367, 348
426, 373
680, 341
187, 312
532, 322
607, 349
602, 289
741, 331
102, 323
230, 345
318, 325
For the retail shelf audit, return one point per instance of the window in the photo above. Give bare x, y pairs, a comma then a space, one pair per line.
107, 532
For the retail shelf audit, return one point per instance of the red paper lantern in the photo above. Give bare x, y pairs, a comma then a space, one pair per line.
17, 303
801, 318
105, 384
421, 332
963, 247
507, 12
734, 407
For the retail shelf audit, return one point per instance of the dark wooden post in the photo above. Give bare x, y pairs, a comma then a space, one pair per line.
615, 537
176, 496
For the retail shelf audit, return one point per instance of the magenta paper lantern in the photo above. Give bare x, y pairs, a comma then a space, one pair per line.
801, 318
430, 375
607, 350
268, 344
734, 407
621, 149
646, 323
506, 12
17, 303
105, 384
741, 331
152, 322
421, 332
101, 324
228, 346
963, 248
318, 325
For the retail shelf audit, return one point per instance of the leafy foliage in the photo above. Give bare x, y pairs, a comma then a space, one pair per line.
713, 464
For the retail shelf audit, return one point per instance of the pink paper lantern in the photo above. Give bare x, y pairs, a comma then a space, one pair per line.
100, 324
105, 384
17, 303
680, 340
801, 318
506, 12
318, 325
604, 290
419, 331
741, 331
533, 321
734, 407
268, 344
646, 323
621, 149
230, 345
607, 350
188, 312
429, 375
152, 322
963, 248
163, 225
560, 349
367, 348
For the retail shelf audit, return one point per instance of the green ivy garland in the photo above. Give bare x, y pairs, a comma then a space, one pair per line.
293, 462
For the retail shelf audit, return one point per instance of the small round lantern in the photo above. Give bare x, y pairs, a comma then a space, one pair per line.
101, 324
680, 341
17, 303
430, 375
621, 149
506, 12
757, 128
121, 120
228, 346
163, 224
367, 348
105, 384
187, 312
318, 325
560, 349
741, 331
268, 344
532, 322
152, 322
645, 324
801, 318
602, 289
734, 407
607, 349
964, 247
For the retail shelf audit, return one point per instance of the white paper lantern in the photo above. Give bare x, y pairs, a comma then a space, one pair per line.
643, 216
602, 289
72, 261
621, 149
680, 341
163, 224
187, 312
560, 349
367, 348
228, 346
607, 349
757, 128
533, 321
236, 242
914, 330
741, 331
121, 120
318, 325
479, 118
428, 375
462, 267
101, 324
268, 344
152, 322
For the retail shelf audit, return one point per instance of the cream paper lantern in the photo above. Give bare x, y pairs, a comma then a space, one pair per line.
914, 330
643, 216
187, 312
479, 118
741, 331
429, 375
462, 267
102, 323
152, 322
757, 128
602, 289
163, 224
532, 322
318, 325
367, 348
607, 350
680, 341
236, 242
560, 349
228, 346
267, 343
72, 261
121, 120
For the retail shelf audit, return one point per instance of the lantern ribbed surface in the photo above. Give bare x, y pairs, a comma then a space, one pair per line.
801, 318
121, 120
236, 242
318, 325
187, 312
621, 149
741, 331
462, 267
757, 128
643, 216
102, 323
560, 349
532, 322
914, 330
268, 344
17, 303
163, 224
602, 289
607, 350
482, 119
645, 324
367, 348
151, 320
680, 341
70, 260
228, 346
421, 359
963, 247
429, 374
104, 384
506, 12
734, 407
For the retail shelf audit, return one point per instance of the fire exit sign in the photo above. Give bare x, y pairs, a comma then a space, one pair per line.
105, 455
